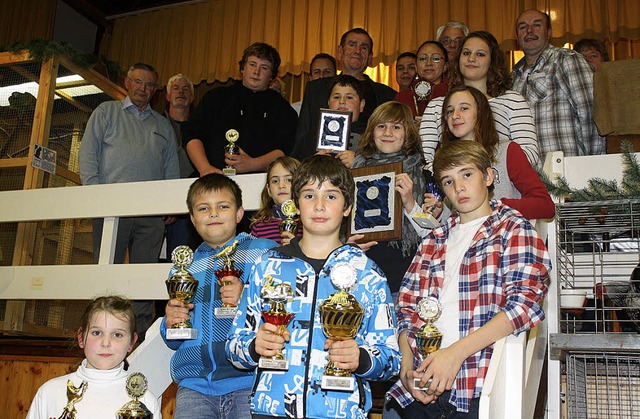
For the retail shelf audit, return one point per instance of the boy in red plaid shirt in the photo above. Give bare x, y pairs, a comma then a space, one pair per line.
486, 268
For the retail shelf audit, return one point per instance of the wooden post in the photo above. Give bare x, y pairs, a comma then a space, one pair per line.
25, 236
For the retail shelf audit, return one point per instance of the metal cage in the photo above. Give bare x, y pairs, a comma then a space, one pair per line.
603, 385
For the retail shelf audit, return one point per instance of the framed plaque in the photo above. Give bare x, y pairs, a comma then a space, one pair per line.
333, 131
377, 207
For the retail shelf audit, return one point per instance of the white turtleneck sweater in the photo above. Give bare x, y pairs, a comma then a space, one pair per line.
105, 395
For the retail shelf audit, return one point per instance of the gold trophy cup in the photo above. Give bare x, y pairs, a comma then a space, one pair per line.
182, 286
232, 136
341, 316
276, 297
136, 387
227, 311
74, 395
429, 338
289, 223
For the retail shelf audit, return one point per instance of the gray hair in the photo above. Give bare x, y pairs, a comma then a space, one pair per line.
455, 24
142, 66
177, 77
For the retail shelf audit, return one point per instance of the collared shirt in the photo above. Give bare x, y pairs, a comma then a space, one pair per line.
559, 89
128, 104
503, 270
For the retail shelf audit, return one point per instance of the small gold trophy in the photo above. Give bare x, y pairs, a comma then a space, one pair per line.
276, 296
227, 311
341, 316
289, 223
231, 148
182, 286
74, 395
429, 338
136, 387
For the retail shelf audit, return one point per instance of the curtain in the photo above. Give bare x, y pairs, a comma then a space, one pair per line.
25, 20
205, 40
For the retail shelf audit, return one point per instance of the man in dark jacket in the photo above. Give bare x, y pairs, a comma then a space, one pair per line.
354, 53
265, 122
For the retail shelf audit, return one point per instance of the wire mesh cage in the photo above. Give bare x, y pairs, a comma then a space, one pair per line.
39, 143
598, 247
603, 385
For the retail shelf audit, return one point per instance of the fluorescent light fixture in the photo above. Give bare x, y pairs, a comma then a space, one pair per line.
32, 88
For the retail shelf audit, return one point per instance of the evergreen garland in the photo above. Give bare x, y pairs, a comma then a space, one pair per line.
598, 189
41, 50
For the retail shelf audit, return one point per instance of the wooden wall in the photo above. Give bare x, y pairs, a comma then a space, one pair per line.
21, 376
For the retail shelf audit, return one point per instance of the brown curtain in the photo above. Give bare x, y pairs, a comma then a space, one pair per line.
206, 40
25, 20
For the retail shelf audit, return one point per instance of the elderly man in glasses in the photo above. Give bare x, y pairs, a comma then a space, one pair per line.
127, 141
451, 35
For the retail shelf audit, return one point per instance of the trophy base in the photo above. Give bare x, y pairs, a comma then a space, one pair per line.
273, 364
417, 384
229, 171
226, 312
425, 220
182, 334
330, 382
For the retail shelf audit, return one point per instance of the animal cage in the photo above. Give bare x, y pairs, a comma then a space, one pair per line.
598, 247
603, 385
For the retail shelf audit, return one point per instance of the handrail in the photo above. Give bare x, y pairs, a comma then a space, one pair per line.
137, 281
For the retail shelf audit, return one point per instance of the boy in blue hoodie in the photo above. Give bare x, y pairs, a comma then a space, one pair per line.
208, 385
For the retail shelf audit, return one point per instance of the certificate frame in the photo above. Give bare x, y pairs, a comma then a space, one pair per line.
333, 130
377, 207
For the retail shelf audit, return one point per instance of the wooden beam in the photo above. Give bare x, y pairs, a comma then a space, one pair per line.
14, 162
15, 57
67, 174
95, 78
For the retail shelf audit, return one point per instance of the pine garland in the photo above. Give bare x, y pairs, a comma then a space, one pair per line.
599, 189
41, 50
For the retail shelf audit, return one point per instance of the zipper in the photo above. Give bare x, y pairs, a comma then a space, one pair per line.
310, 342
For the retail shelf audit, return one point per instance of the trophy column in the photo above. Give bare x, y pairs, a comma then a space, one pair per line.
275, 297
341, 317
136, 387
227, 269
231, 148
182, 286
429, 338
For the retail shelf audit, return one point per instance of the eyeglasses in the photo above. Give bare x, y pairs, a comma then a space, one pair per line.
446, 40
433, 57
139, 84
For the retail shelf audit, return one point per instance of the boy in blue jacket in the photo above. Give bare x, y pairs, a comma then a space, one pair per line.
208, 385
323, 192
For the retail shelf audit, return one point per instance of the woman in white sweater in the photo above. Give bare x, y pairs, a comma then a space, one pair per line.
479, 63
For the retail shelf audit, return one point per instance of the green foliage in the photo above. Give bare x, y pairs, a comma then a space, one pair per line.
600, 189
41, 50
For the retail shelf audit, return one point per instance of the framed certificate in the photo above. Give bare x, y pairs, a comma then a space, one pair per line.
377, 207
334, 128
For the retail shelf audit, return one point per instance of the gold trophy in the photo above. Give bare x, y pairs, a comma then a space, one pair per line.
227, 311
429, 338
276, 296
232, 136
289, 223
136, 387
74, 395
341, 316
182, 286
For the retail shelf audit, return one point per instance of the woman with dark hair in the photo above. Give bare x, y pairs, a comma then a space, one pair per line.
480, 63
432, 65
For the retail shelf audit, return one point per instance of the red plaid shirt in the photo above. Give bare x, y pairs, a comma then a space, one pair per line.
503, 270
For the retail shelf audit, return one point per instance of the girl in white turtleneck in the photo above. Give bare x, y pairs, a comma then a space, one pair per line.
107, 334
